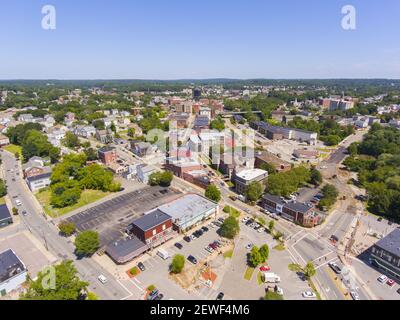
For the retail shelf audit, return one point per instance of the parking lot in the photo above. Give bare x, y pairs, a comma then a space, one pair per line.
28, 251
285, 149
157, 269
111, 218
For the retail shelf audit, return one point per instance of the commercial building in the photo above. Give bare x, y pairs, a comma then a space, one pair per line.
12, 272
143, 172
5, 216
4, 141
385, 254
189, 210
267, 158
246, 177
296, 212
153, 228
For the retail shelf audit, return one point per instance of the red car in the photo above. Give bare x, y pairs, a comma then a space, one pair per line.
390, 283
265, 268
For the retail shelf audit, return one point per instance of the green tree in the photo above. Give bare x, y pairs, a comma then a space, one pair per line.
163, 179
68, 286
271, 226
213, 193
255, 257
87, 243
230, 228
177, 264
71, 140
67, 228
254, 191
309, 270
3, 188
264, 251
316, 177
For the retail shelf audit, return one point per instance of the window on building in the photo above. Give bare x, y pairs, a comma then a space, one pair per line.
164, 227
154, 232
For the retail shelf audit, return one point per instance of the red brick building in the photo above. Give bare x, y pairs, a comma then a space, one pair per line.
108, 155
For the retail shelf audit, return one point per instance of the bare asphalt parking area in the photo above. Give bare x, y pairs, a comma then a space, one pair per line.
111, 218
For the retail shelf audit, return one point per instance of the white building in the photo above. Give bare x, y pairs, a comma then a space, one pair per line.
143, 172
12, 272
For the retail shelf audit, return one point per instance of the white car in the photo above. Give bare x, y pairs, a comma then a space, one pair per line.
249, 246
279, 291
102, 279
245, 219
209, 249
309, 295
383, 279
261, 230
18, 202
192, 237
354, 295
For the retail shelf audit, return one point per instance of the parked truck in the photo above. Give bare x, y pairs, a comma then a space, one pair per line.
163, 254
270, 277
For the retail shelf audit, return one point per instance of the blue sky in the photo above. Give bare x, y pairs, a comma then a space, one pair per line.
176, 39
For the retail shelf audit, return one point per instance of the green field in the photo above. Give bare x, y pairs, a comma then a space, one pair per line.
12, 148
249, 273
87, 197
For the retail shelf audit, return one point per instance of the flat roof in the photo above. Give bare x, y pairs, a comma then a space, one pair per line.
187, 207
151, 220
250, 174
4, 212
120, 250
391, 243
10, 265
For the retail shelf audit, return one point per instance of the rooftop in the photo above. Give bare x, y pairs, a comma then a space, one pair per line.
391, 243
4, 212
151, 220
251, 174
188, 207
120, 250
10, 265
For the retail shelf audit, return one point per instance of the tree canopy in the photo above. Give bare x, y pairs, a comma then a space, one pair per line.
68, 286
213, 193
87, 243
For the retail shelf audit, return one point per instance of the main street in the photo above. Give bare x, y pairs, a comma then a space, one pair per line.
47, 233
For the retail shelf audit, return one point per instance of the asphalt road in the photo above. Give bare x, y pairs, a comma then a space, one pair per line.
47, 233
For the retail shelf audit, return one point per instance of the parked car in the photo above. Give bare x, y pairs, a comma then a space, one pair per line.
390, 283
187, 239
209, 249
218, 244
335, 268
398, 291
24, 213
261, 230
192, 237
220, 296
213, 245
192, 259
178, 245
354, 295
249, 246
383, 279
102, 279
221, 220
265, 268
141, 266
309, 295
205, 229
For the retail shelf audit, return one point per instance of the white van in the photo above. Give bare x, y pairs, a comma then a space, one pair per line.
18, 202
270, 277
163, 254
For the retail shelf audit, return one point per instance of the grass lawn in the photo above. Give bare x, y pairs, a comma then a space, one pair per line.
87, 197
273, 296
14, 149
249, 273
228, 254
280, 247
259, 279
2, 200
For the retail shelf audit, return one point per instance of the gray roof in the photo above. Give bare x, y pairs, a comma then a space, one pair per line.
391, 243
39, 177
10, 265
4, 212
126, 249
187, 207
201, 121
151, 220
292, 205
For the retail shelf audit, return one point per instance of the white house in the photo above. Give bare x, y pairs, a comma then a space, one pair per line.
12, 272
